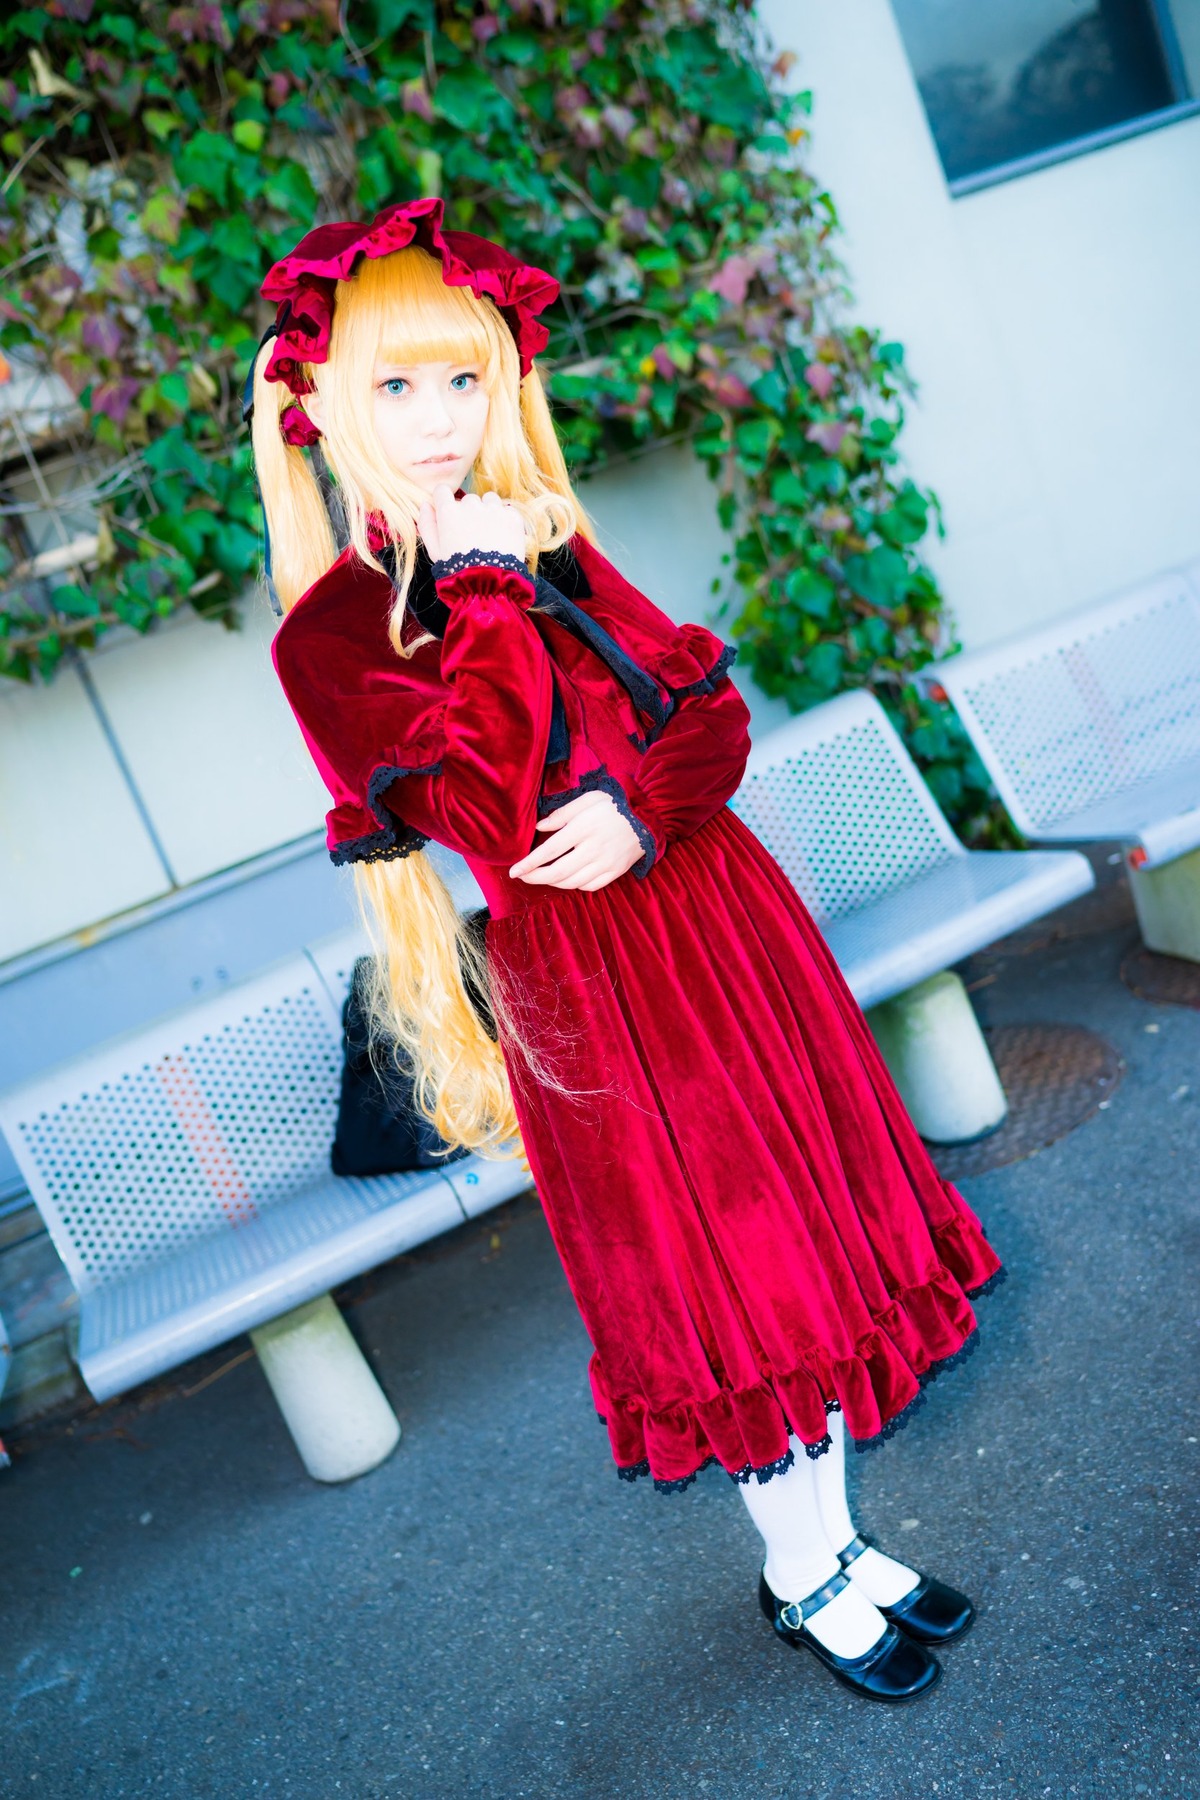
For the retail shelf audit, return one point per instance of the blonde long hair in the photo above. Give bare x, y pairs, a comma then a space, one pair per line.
397, 309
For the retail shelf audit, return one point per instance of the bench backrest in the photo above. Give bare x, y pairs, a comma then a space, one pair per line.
197, 1122
842, 807
1088, 707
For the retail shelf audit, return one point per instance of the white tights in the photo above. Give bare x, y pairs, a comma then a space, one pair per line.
804, 1521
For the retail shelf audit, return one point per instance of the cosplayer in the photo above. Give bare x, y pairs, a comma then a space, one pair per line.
765, 1259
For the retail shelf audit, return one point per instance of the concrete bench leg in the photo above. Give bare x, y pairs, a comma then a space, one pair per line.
931, 1042
1167, 900
334, 1407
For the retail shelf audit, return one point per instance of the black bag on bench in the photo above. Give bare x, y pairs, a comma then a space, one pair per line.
380, 1130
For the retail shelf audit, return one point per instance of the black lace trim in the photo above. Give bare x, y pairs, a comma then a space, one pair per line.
395, 838
378, 846
779, 1467
608, 784
901, 1419
967, 1348
988, 1286
473, 559
707, 683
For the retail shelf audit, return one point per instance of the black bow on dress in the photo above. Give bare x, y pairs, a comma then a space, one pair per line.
555, 598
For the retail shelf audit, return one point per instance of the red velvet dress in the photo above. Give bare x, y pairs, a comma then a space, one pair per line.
751, 1228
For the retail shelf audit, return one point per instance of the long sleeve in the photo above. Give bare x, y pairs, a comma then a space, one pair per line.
482, 797
698, 759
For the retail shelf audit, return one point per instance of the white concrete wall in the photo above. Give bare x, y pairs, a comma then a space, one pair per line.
1051, 321
210, 740
72, 845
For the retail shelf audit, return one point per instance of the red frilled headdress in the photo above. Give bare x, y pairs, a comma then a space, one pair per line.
303, 284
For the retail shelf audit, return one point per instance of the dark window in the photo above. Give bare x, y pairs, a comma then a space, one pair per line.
1004, 81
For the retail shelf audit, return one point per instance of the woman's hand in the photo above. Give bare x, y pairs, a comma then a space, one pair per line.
476, 522
592, 842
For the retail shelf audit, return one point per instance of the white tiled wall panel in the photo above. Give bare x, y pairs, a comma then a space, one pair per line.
72, 847
210, 740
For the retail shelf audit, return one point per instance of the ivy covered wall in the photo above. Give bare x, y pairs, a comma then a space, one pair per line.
649, 154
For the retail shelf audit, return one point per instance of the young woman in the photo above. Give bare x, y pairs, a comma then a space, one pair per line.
761, 1250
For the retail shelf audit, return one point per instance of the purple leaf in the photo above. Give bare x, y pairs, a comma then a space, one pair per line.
829, 434
101, 334
732, 279
820, 378
415, 96
114, 398
620, 121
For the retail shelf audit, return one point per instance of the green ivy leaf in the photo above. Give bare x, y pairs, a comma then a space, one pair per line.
813, 593
162, 216
470, 100
289, 189
204, 163
880, 577
75, 601
823, 667
171, 452
160, 124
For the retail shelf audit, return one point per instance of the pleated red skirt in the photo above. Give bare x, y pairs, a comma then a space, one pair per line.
751, 1228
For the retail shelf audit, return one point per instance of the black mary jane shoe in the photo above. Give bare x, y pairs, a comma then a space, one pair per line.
930, 1613
893, 1669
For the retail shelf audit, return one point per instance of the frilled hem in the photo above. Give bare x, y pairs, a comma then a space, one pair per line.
927, 1329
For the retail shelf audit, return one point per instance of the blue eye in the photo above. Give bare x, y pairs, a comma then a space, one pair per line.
395, 383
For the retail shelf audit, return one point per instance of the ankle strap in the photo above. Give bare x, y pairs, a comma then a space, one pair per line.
858, 1543
796, 1611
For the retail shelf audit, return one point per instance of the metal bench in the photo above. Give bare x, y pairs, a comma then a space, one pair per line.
183, 1174
841, 806
1090, 730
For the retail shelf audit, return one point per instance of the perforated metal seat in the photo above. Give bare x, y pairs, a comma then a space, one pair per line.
840, 804
183, 1173
1091, 728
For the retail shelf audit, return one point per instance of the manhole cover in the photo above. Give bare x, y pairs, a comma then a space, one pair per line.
1170, 980
1055, 1076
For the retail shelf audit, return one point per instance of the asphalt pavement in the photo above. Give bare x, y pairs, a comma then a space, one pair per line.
493, 1615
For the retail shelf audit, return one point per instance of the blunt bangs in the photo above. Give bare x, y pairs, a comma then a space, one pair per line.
400, 306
